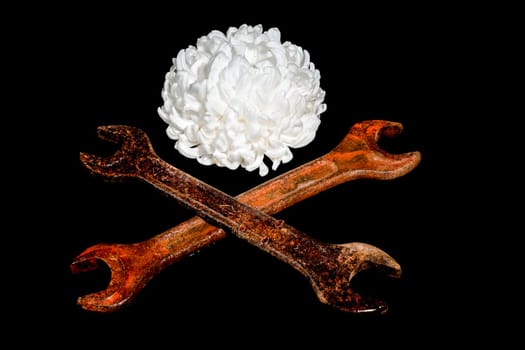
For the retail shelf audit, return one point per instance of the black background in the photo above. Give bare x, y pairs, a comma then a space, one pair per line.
397, 64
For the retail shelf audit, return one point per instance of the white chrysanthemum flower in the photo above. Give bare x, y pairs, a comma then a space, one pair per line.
235, 98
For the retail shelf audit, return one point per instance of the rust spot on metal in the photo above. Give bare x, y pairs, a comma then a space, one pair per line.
279, 223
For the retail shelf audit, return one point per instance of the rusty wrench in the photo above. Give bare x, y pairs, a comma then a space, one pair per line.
357, 156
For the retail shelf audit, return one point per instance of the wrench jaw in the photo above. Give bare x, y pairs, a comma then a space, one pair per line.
125, 162
350, 301
360, 150
340, 295
97, 165
129, 137
333, 286
365, 135
365, 256
113, 297
112, 169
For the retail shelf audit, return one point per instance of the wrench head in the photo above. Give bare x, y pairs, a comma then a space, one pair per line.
358, 155
135, 149
128, 275
333, 285
110, 298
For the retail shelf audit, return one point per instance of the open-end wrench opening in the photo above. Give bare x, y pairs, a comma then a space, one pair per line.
90, 276
395, 140
376, 284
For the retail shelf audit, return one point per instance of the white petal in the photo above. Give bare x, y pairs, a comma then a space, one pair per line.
263, 170
187, 149
172, 133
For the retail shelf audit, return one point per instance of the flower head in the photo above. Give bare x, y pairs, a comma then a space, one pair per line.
236, 98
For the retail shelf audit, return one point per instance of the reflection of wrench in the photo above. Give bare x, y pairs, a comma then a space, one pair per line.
132, 266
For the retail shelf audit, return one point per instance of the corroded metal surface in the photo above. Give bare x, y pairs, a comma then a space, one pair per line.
132, 266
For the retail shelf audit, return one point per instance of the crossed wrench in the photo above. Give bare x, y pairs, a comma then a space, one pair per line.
328, 267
